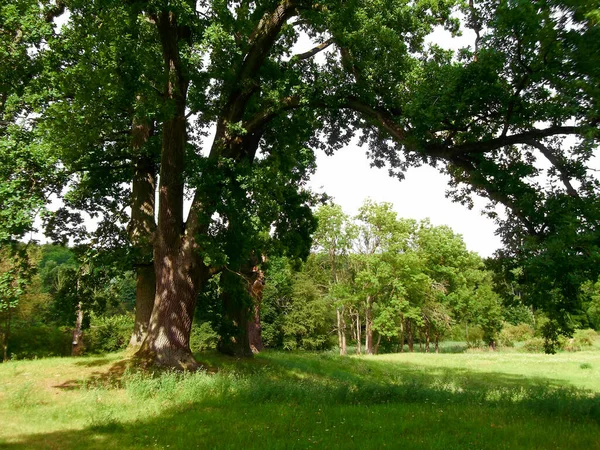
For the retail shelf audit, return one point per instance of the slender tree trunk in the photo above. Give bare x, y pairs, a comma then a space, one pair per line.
437, 343
402, 336
141, 229
409, 332
358, 334
343, 349
257, 283
376, 351
341, 330
77, 347
427, 339
369, 326
6, 334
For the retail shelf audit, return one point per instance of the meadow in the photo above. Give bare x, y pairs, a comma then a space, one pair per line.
483, 400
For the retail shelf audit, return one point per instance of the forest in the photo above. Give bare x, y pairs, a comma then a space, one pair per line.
155, 157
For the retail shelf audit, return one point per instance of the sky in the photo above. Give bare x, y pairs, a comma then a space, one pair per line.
348, 178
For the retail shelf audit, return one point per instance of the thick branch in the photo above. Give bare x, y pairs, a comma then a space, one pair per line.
312, 52
564, 177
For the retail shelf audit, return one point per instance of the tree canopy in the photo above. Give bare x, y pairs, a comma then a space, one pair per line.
126, 93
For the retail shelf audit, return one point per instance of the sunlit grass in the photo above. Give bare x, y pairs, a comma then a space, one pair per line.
303, 400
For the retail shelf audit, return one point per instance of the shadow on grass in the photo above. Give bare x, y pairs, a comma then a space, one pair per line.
284, 401
110, 378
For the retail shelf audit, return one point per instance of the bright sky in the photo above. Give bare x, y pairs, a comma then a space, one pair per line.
349, 179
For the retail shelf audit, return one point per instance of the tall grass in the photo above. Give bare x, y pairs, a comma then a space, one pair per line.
304, 400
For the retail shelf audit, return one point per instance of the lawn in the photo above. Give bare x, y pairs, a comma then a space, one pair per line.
304, 400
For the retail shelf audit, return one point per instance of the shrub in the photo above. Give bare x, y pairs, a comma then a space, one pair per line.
38, 341
108, 334
585, 338
517, 333
534, 345
203, 337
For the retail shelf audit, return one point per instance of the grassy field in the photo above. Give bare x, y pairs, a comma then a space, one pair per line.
281, 400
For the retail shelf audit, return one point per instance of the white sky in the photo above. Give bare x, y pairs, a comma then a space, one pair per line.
349, 179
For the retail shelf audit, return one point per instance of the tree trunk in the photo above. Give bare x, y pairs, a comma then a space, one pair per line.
178, 271
402, 336
343, 349
77, 347
6, 335
145, 292
437, 343
141, 229
427, 340
341, 331
409, 332
237, 304
369, 327
377, 345
168, 340
358, 334
256, 285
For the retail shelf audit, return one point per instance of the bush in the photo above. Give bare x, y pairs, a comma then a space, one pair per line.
585, 338
38, 341
203, 337
516, 333
534, 345
108, 334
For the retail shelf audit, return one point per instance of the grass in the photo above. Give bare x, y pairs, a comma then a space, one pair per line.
303, 400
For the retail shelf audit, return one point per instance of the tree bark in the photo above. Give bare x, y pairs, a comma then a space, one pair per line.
409, 333
402, 336
376, 351
358, 334
341, 325
234, 339
77, 346
6, 335
256, 286
141, 230
369, 326
179, 274
427, 338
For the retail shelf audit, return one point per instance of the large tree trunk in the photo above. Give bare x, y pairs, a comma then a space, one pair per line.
234, 339
141, 230
178, 271
145, 292
369, 326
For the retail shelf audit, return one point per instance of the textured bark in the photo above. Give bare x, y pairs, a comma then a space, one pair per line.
178, 273
376, 351
256, 286
236, 313
141, 230
145, 292
341, 328
77, 346
369, 326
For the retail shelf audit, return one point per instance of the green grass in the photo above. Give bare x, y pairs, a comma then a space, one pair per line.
303, 400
